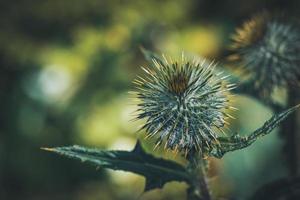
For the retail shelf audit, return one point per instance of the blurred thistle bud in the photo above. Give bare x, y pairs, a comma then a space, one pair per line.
184, 104
268, 47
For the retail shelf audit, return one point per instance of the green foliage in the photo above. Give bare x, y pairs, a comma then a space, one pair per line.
237, 142
65, 70
157, 171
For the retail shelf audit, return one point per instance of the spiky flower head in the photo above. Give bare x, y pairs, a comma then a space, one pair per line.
184, 104
268, 47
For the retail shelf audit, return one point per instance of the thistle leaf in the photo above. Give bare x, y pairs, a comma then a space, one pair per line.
237, 142
157, 171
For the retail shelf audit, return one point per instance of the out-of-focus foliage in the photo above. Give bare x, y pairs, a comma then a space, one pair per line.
65, 69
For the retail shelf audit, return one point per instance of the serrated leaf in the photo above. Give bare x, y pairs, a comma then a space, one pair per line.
157, 171
237, 142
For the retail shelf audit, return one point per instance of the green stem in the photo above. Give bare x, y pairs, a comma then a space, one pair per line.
198, 189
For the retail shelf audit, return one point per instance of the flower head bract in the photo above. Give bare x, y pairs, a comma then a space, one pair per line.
184, 103
268, 47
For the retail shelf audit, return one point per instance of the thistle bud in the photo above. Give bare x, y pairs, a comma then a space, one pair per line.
184, 104
268, 47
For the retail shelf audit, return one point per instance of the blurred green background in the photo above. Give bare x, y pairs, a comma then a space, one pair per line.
65, 69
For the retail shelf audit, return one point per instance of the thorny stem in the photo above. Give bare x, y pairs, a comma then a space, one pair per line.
289, 130
198, 189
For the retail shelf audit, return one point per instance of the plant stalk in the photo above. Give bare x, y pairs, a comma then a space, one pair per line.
198, 189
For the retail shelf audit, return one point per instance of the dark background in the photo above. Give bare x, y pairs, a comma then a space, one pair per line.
65, 69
